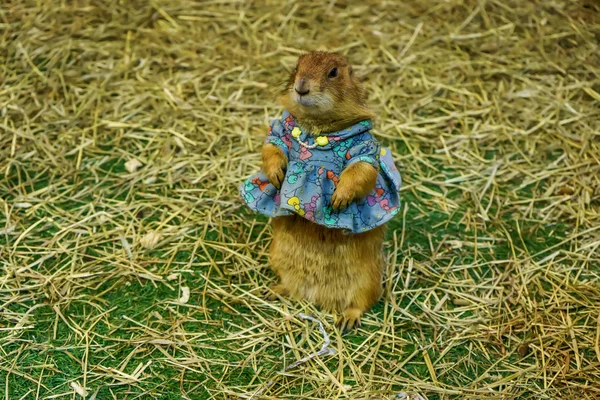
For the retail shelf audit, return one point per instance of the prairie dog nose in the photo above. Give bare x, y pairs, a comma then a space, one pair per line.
302, 87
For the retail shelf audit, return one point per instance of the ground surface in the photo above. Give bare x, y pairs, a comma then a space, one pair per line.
492, 109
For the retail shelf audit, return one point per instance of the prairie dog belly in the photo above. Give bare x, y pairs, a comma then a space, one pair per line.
325, 266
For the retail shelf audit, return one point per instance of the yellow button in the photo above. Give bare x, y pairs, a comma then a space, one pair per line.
296, 132
383, 151
322, 140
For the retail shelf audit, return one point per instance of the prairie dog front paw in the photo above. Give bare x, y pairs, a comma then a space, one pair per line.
342, 197
274, 164
356, 182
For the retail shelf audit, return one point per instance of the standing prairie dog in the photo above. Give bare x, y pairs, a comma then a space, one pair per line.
329, 187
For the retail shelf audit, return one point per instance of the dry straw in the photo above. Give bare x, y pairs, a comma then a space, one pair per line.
131, 270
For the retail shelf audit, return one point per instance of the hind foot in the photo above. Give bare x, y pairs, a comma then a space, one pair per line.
275, 291
350, 319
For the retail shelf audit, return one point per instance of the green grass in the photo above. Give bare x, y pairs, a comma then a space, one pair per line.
490, 109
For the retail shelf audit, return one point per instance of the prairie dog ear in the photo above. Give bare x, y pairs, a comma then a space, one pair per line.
362, 94
289, 63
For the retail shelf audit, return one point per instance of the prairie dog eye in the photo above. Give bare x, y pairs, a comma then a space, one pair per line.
333, 73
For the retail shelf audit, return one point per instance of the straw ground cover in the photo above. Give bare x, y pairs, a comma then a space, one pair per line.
125, 280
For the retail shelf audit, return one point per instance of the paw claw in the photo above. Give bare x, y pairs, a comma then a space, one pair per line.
273, 292
280, 175
269, 296
341, 199
276, 178
349, 320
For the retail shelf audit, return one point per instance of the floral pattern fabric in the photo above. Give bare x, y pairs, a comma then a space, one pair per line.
314, 167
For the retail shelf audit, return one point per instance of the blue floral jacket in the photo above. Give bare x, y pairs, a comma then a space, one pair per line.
314, 166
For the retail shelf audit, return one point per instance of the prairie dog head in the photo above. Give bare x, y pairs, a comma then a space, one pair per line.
323, 87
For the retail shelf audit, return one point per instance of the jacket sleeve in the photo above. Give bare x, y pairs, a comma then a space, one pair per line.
279, 137
367, 150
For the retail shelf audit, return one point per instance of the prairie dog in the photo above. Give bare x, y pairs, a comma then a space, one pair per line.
330, 189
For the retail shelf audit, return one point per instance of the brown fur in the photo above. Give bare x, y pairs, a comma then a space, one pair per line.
344, 90
341, 273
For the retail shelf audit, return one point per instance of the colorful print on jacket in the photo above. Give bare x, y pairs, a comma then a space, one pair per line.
314, 166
